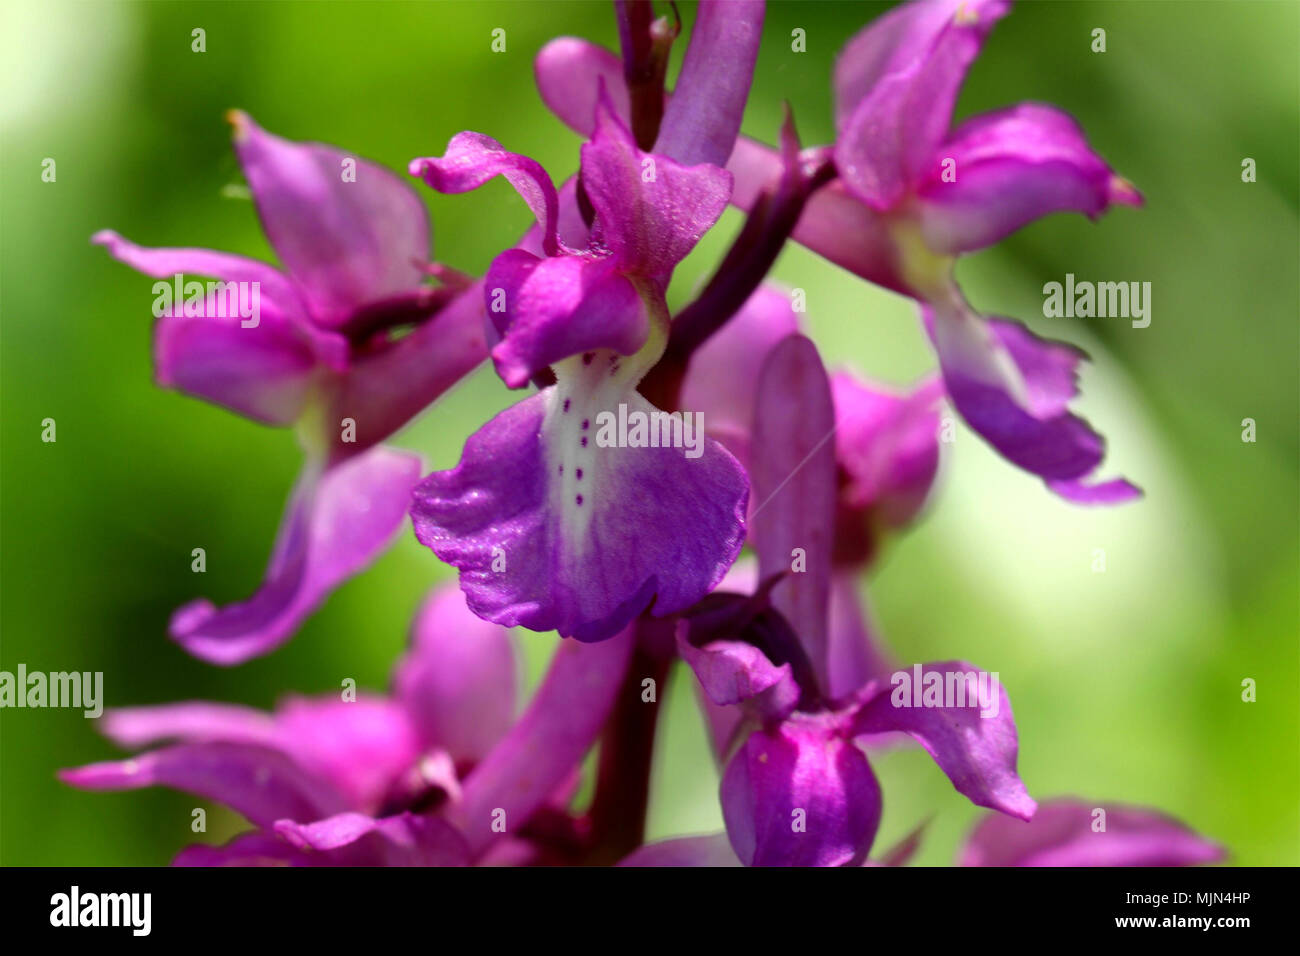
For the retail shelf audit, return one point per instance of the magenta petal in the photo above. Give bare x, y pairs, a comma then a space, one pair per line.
544, 747
471, 159
1013, 166
457, 679
334, 526
256, 848
570, 73
348, 230
973, 742
1013, 388
361, 746
402, 840
192, 720
712, 850
651, 210
561, 306
735, 672
896, 84
722, 380
580, 550
800, 795
263, 785
702, 119
266, 371
1063, 833
793, 470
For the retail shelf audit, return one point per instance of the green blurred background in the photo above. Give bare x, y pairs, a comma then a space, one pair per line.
1126, 684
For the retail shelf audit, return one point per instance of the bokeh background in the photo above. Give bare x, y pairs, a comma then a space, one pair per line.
1126, 684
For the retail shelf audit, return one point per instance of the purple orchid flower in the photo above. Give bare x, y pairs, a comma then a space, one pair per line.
796, 787
319, 354
551, 523
419, 777
899, 217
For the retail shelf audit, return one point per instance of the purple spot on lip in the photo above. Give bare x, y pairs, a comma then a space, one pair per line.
566, 404
578, 499
561, 469
584, 441
586, 423
579, 474
587, 357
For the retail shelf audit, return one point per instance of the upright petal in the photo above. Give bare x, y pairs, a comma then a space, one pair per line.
896, 84
800, 795
793, 469
967, 727
551, 528
703, 117
457, 679
265, 365
192, 721
540, 752
1014, 389
471, 159
348, 230
570, 74
263, 785
1011, 167
334, 526
1068, 832
651, 209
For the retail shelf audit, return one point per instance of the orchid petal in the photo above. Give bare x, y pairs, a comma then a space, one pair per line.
651, 210
471, 159
559, 307
256, 848
401, 840
703, 117
348, 230
896, 84
570, 73
800, 772
1065, 832
793, 470
977, 752
540, 752
359, 745
457, 679
334, 526
1011, 167
1013, 388
263, 785
264, 366
551, 530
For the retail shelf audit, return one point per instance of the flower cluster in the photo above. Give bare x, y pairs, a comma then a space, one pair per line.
631, 549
